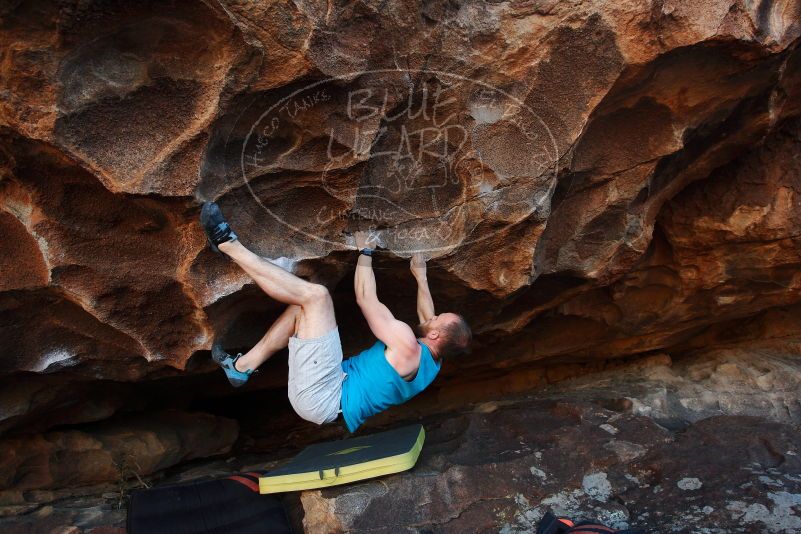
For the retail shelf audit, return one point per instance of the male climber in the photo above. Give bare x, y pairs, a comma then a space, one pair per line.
401, 364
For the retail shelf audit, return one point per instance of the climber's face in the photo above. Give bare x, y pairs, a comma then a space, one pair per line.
436, 326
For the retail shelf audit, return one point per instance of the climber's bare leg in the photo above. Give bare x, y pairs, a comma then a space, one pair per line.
281, 285
276, 338
317, 309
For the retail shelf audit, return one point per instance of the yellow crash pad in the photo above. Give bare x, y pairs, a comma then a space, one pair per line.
348, 460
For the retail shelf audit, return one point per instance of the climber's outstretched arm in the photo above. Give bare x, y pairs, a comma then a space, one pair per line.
425, 303
396, 335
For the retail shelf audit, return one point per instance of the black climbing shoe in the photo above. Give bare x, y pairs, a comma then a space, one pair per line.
228, 363
217, 229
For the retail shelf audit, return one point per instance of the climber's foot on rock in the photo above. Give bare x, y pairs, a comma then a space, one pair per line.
228, 363
217, 229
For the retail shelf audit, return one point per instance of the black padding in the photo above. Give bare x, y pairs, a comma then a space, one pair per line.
208, 507
352, 451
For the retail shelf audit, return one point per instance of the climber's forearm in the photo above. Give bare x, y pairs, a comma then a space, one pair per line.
364, 280
425, 302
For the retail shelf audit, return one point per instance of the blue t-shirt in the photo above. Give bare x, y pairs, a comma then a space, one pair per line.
373, 385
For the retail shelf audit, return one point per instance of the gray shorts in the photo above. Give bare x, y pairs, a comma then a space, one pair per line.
315, 377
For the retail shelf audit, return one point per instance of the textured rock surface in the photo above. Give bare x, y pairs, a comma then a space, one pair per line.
133, 447
655, 444
649, 445
658, 131
591, 180
722, 474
